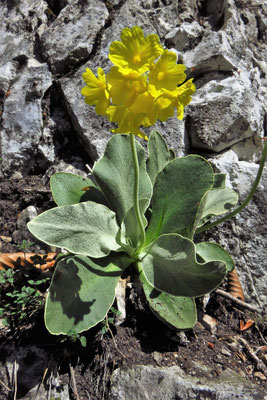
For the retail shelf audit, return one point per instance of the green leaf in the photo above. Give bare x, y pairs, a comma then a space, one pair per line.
178, 190
170, 266
130, 230
70, 189
219, 181
176, 311
81, 292
158, 155
85, 228
114, 174
212, 251
215, 202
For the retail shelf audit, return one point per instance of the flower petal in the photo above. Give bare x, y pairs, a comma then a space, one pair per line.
166, 74
135, 51
96, 90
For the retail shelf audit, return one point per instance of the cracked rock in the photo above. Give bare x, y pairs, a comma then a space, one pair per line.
69, 40
22, 121
168, 383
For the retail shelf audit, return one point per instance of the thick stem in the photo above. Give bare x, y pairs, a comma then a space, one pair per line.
136, 191
245, 203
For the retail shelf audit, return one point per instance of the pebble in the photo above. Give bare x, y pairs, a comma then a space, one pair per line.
6, 239
226, 352
211, 322
260, 375
157, 356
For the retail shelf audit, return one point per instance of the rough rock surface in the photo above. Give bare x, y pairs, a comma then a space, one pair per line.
33, 360
150, 383
45, 46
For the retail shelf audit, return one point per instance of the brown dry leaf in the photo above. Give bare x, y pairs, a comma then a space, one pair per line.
245, 326
235, 288
12, 260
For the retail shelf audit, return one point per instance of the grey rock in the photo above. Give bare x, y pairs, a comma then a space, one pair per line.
245, 235
25, 216
184, 36
8, 71
223, 113
93, 130
213, 53
69, 40
34, 361
168, 383
22, 122
19, 21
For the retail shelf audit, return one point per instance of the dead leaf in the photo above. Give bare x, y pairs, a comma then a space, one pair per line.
41, 261
245, 326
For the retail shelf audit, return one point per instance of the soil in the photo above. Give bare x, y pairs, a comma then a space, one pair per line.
140, 339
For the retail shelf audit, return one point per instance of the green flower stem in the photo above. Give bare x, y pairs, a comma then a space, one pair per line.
249, 197
138, 268
136, 191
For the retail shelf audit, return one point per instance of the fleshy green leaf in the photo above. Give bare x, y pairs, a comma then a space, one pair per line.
170, 265
212, 251
130, 231
158, 155
81, 292
70, 189
219, 181
85, 228
178, 190
175, 311
215, 202
114, 174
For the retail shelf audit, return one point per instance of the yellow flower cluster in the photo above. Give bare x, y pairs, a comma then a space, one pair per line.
145, 84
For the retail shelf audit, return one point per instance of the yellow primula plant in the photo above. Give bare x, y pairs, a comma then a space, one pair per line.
137, 210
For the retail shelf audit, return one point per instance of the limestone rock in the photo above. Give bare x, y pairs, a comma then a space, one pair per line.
184, 36
231, 114
22, 122
19, 21
69, 40
245, 235
34, 360
93, 130
168, 383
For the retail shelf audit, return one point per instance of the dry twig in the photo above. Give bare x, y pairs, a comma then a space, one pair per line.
260, 364
237, 301
2, 383
15, 377
73, 380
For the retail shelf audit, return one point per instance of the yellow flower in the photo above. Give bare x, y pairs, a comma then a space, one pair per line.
145, 84
126, 85
178, 99
164, 107
128, 121
96, 90
166, 74
183, 98
135, 51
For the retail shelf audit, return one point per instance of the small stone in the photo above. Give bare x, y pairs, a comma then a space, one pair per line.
25, 216
260, 375
157, 356
210, 322
6, 239
226, 352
